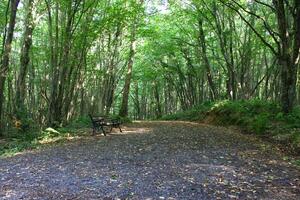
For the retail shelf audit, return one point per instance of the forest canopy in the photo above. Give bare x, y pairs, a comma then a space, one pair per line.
62, 59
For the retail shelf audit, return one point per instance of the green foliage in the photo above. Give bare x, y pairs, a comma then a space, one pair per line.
194, 114
260, 123
184, 115
123, 120
23, 122
18, 143
296, 140
50, 133
32, 140
14, 147
293, 118
253, 115
92, 55
80, 122
297, 162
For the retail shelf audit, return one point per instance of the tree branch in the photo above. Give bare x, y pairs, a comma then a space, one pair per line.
252, 28
265, 4
266, 25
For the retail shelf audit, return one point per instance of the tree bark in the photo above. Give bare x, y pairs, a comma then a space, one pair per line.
53, 45
157, 98
202, 42
126, 90
24, 61
288, 56
124, 106
4, 65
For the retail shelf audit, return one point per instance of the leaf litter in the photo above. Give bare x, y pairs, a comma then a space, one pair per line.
171, 160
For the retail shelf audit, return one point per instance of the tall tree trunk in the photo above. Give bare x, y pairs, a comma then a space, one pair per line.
53, 45
4, 67
202, 42
109, 83
137, 101
32, 90
288, 56
158, 110
24, 61
124, 106
64, 65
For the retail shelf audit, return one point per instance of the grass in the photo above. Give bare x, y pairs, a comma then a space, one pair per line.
253, 116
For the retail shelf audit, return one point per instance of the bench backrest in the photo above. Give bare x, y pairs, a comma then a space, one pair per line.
103, 118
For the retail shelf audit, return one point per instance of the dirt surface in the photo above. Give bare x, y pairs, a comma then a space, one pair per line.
153, 160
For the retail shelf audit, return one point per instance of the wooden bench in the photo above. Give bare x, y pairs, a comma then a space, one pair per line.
103, 122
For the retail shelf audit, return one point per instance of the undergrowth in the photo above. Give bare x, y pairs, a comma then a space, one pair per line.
17, 141
195, 114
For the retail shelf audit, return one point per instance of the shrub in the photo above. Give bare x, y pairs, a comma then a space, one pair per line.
253, 115
124, 119
260, 123
195, 114
293, 118
80, 122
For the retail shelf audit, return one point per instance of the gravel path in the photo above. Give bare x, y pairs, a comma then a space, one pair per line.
153, 160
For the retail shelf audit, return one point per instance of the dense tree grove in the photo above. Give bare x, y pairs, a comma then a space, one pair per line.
62, 59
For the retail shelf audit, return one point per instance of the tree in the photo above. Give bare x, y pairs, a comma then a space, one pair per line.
286, 40
4, 65
24, 60
81, 56
124, 105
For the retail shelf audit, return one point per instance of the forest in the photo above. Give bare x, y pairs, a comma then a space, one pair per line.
196, 99
139, 59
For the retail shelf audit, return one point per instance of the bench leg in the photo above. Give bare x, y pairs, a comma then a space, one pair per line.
120, 128
103, 131
94, 130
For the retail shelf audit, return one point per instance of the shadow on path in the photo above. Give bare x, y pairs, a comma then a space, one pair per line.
153, 160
